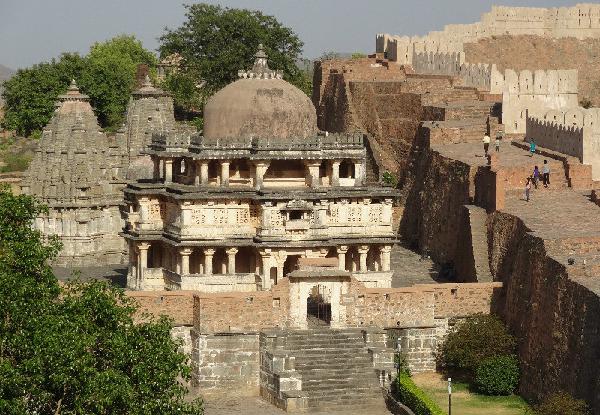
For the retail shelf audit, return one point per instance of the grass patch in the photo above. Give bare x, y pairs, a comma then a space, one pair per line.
466, 402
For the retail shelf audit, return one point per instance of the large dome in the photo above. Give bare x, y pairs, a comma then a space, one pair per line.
260, 104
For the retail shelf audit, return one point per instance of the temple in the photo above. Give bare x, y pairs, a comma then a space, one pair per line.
234, 208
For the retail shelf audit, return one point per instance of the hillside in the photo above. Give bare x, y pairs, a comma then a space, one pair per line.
534, 52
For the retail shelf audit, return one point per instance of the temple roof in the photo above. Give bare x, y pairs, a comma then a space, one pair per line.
260, 104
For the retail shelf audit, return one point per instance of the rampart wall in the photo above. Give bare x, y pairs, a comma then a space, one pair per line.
578, 137
580, 21
534, 93
481, 76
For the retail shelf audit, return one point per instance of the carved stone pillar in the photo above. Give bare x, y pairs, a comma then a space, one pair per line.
363, 250
341, 251
143, 262
265, 257
385, 253
168, 173
225, 173
386, 211
261, 170
144, 210
335, 173
358, 173
185, 260
204, 172
231, 260
313, 172
208, 260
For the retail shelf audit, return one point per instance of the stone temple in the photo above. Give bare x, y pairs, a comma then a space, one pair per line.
235, 208
79, 173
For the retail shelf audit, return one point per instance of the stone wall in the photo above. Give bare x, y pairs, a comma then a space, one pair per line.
226, 363
177, 305
535, 52
534, 94
580, 21
485, 77
581, 142
551, 309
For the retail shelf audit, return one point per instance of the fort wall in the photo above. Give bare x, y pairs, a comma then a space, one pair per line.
580, 21
578, 137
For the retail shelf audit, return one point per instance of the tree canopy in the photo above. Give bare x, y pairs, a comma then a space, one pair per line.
106, 74
76, 349
216, 42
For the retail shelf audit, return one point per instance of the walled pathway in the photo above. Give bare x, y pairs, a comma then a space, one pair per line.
568, 222
411, 268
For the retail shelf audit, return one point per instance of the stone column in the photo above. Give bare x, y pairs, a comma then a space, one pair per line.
204, 172
208, 260
341, 251
386, 211
363, 250
225, 173
261, 170
144, 210
335, 173
279, 272
143, 261
168, 173
385, 253
231, 260
358, 173
313, 172
185, 260
265, 258
196, 165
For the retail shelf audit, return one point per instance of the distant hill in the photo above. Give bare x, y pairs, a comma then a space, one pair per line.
5, 73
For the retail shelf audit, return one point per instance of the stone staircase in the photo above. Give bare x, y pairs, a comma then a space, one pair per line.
334, 368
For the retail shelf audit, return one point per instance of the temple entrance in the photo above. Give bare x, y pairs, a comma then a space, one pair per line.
318, 307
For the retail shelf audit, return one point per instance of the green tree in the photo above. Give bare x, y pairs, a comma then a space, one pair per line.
109, 76
474, 340
106, 74
76, 350
29, 96
216, 42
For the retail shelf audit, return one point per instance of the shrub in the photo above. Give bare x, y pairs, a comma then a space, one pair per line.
389, 179
412, 396
473, 340
497, 375
560, 403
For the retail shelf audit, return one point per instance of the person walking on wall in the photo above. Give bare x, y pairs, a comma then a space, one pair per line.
498, 138
527, 188
486, 143
536, 176
531, 148
546, 174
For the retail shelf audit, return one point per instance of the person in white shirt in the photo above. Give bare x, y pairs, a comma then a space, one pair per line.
486, 143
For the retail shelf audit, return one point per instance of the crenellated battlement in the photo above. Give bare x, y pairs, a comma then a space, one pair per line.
580, 21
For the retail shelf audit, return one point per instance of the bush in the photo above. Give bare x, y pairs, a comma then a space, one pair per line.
497, 375
389, 179
560, 403
412, 396
474, 340
15, 162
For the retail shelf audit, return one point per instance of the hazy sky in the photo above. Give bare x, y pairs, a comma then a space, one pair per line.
35, 30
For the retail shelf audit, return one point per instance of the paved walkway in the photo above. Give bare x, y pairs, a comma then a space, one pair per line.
411, 268
231, 405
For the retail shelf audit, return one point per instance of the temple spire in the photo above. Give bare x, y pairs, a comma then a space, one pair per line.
260, 69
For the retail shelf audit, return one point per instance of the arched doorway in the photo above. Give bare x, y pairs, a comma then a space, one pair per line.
318, 307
